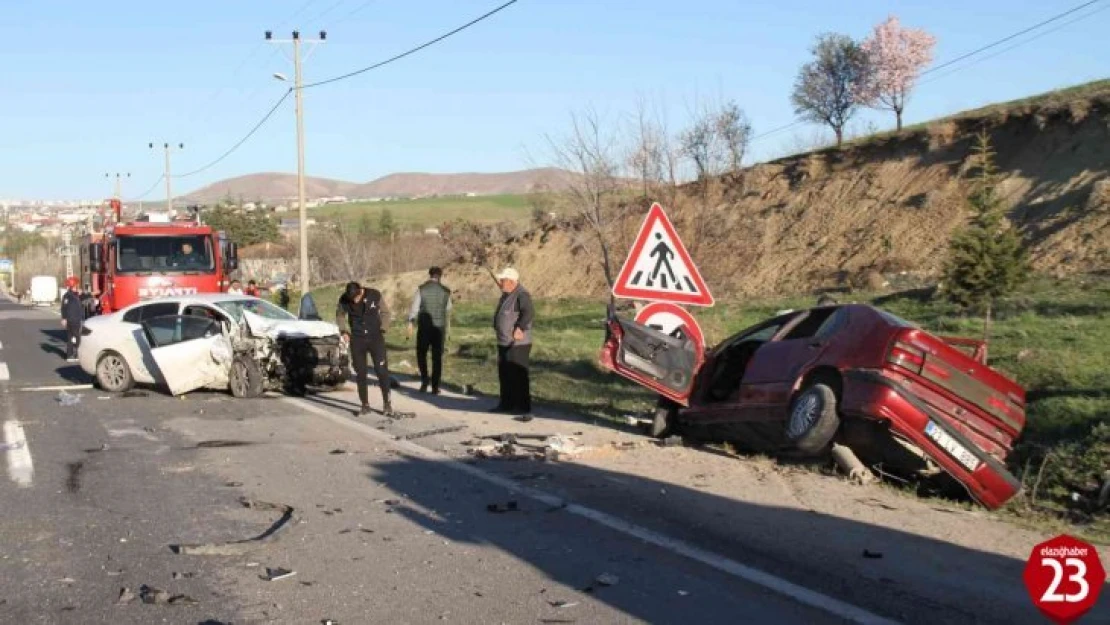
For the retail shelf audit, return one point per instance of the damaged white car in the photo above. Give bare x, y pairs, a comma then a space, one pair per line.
214, 341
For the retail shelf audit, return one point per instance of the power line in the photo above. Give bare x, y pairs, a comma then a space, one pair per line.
148, 191
357, 10
963, 57
1016, 45
413, 50
1010, 37
250, 134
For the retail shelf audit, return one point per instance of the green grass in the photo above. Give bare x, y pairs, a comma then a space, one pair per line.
1052, 338
431, 212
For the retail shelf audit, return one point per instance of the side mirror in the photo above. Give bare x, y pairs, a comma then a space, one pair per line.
308, 310
94, 258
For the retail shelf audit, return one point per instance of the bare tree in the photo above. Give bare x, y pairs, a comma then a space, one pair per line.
646, 155
826, 88
589, 150
342, 253
734, 131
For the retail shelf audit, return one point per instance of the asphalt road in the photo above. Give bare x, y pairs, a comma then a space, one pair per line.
395, 531
99, 491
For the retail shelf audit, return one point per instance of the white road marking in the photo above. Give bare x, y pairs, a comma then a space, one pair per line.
5, 375
20, 468
1, 345
731, 567
71, 387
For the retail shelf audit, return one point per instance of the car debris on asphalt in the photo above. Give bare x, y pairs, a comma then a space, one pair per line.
425, 433
67, 399
239, 547
509, 506
277, 574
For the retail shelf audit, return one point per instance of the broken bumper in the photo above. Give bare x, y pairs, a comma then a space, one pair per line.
871, 394
315, 361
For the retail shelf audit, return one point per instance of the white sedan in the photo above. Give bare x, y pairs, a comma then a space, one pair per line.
215, 341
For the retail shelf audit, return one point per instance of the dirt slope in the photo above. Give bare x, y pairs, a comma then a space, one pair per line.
879, 211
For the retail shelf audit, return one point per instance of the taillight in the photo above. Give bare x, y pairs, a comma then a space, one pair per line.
906, 357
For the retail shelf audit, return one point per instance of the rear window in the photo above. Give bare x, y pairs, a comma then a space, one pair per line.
895, 320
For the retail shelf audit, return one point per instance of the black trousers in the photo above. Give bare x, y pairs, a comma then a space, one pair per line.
512, 372
374, 346
429, 337
73, 338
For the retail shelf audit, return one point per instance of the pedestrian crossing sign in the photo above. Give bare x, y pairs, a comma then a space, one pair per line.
659, 268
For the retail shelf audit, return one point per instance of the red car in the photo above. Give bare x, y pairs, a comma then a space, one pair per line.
902, 399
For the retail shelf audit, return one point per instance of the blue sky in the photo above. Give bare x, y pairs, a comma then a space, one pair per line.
88, 85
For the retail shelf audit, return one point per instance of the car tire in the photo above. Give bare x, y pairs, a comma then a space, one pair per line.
113, 373
813, 420
245, 379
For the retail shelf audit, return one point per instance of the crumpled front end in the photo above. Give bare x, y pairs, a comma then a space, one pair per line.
313, 361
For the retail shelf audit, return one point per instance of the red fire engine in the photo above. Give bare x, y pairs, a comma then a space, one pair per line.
153, 256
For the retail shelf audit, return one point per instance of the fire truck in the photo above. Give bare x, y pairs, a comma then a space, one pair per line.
153, 256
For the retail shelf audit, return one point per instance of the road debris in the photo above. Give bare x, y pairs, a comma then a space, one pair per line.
509, 506
337, 452
425, 433
524, 418
73, 476
125, 596
133, 393
683, 593
233, 484
240, 547
68, 399
276, 574
216, 444
562, 604
872, 555
176, 575
672, 441
155, 596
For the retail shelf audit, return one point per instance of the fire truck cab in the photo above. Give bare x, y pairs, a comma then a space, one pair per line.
154, 256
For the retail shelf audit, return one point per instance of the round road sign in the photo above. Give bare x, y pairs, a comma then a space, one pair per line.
674, 320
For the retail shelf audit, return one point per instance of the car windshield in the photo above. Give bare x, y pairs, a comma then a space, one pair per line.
164, 254
260, 307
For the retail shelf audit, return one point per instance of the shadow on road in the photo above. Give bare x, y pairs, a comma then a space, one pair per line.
894, 573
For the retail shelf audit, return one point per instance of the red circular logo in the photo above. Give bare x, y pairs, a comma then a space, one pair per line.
1064, 577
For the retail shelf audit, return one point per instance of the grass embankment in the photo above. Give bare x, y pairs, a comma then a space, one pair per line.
1052, 338
418, 214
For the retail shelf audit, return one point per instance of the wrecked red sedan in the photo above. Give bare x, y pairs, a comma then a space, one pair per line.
903, 400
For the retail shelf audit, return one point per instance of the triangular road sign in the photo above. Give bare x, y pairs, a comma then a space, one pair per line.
659, 268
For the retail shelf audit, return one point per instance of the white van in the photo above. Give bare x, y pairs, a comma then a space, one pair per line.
44, 290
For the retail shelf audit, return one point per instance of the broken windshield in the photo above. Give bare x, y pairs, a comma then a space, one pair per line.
260, 307
164, 254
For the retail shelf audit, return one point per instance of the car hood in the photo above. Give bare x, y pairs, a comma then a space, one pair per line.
291, 328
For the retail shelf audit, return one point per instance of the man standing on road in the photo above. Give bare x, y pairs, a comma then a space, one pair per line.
236, 288
430, 309
252, 289
512, 323
362, 317
73, 317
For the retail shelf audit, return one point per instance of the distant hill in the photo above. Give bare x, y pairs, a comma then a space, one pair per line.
276, 186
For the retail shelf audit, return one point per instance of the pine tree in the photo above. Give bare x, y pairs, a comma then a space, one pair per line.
986, 259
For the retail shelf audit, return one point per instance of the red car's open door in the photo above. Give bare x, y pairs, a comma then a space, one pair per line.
660, 362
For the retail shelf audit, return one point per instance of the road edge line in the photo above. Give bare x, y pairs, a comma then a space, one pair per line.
731, 567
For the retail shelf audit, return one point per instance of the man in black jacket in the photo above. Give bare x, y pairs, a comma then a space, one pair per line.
362, 317
73, 317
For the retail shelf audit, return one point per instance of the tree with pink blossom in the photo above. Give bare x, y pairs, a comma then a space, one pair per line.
895, 58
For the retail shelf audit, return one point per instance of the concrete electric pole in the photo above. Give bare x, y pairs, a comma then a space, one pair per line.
299, 102
118, 194
168, 175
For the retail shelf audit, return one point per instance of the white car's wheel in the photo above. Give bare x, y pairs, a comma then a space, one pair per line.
112, 373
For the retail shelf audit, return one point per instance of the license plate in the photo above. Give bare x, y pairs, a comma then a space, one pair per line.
949, 444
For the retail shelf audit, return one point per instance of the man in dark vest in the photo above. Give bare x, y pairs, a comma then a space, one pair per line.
431, 307
512, 322
73, 317
362, 317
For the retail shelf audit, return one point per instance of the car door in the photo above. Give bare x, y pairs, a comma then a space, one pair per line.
189, 352
660, 362
770, 377
135, 347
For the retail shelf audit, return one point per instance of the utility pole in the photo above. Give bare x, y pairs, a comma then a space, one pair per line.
168, 175
298, 98
118, 188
